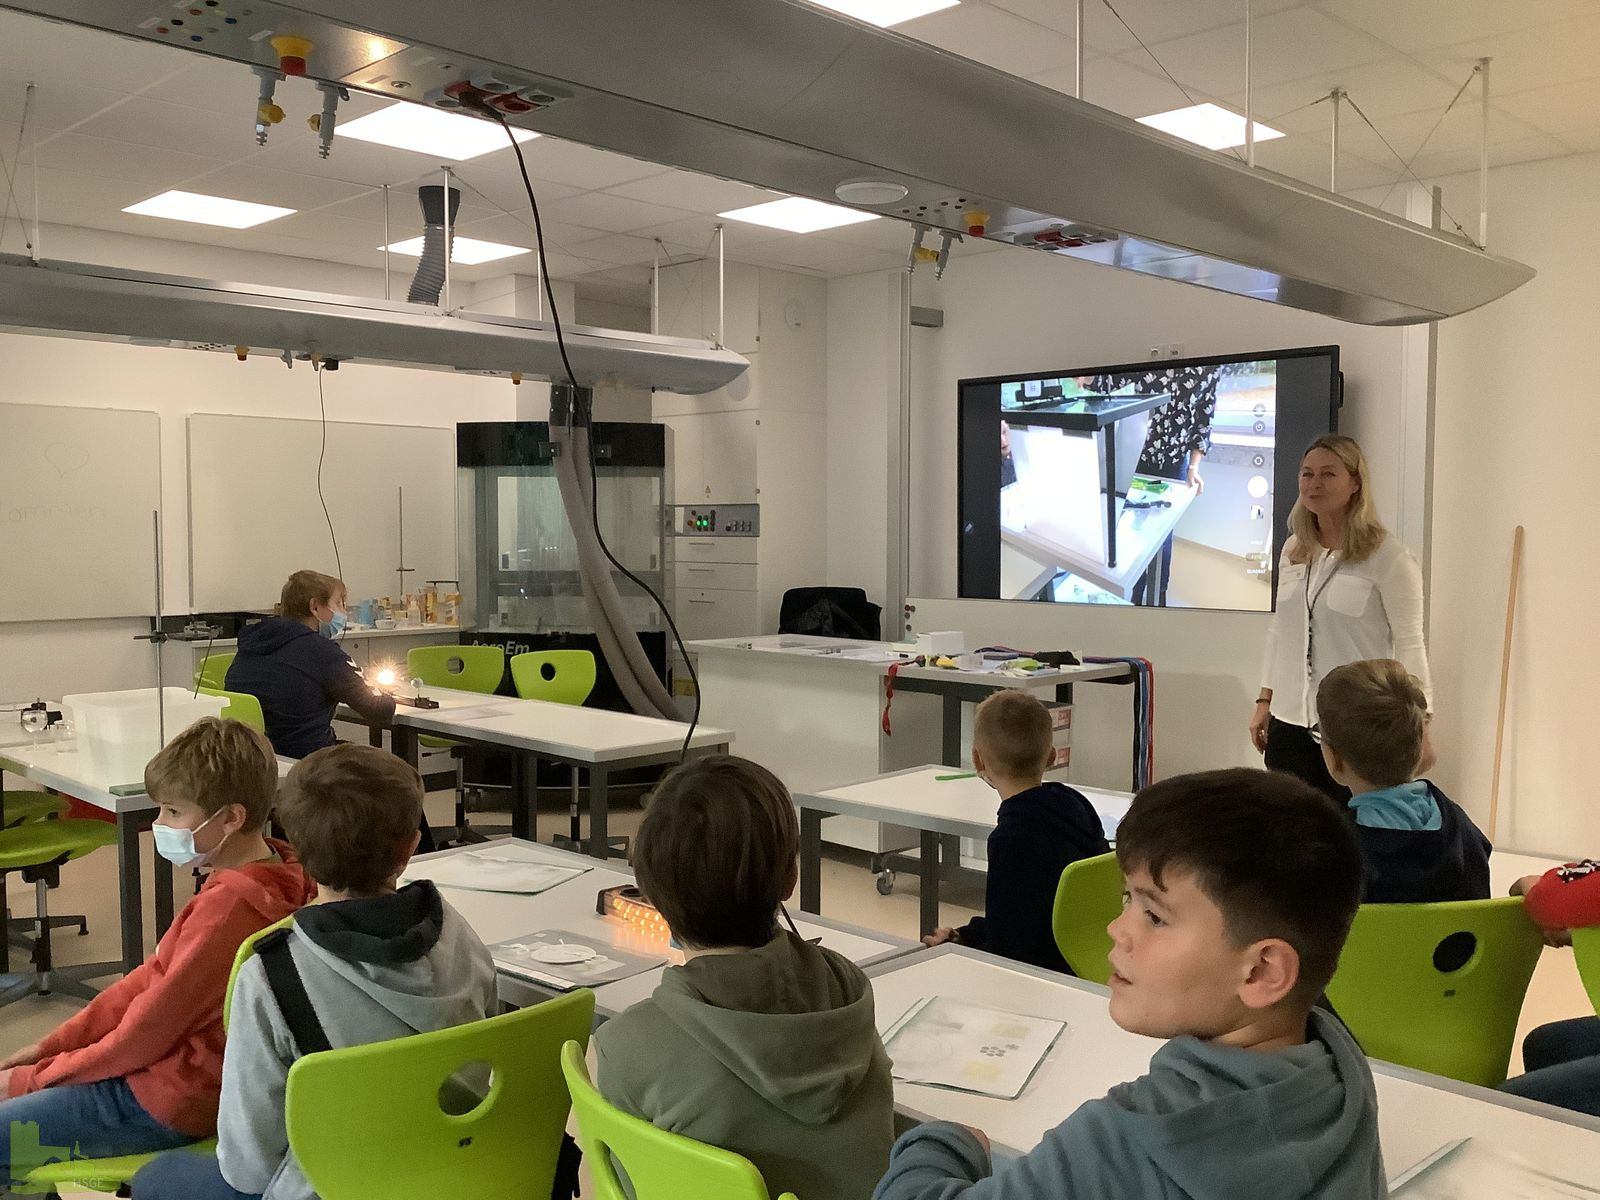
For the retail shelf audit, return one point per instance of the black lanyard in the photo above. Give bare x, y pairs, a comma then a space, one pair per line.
1311, 602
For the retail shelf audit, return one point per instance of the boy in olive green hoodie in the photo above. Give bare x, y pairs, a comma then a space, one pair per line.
761, 1043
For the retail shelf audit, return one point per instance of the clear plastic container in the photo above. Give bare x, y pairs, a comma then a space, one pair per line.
132, 717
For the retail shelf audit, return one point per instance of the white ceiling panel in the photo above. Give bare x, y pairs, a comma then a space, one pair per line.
576, 165
1121, 87
618, 249
693, 193
142, 122
992, 36
1381, 89
694, 235
618, 214
108, 159
1417, 25
1152, 21
1558, 110
44, 50
1549, 54
249, 182
56, 105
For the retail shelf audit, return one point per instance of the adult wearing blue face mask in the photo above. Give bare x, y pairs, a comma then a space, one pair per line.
294, 665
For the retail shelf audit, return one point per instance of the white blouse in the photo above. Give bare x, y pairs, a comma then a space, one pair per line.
1347, 612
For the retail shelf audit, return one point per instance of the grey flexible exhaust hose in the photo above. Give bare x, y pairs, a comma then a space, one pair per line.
618, 642
428, 282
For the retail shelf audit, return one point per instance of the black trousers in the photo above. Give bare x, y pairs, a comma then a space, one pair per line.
1290, 749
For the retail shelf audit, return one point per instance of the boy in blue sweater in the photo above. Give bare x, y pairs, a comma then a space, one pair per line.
1241, 886
1041, 828
1417, 844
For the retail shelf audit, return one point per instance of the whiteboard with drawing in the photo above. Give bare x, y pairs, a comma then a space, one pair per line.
77, 490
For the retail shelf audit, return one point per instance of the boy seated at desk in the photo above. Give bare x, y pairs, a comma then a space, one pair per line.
1042, 827
1241, 887
375, 963
761, 1042
140, 1069
1417, 844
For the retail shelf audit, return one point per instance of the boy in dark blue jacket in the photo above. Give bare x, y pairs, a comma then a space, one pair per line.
1041, 828
293, 665
1417, 843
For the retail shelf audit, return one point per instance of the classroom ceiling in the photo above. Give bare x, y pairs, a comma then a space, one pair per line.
118, 121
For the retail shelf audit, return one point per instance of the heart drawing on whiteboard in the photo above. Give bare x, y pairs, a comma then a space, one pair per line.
66, 458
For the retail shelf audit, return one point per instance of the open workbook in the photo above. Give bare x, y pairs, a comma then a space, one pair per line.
1472, 1167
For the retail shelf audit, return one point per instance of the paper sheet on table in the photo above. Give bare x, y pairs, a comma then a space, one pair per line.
968, 1048
1472, 1168
515, 869
516, 957
870, 654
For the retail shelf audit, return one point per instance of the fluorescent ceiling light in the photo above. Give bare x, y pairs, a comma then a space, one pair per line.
798, 215
408, 126
469, 252
207, 210
1209, 126
885, 13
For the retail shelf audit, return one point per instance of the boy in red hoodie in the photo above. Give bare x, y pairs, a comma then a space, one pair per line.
140, 1069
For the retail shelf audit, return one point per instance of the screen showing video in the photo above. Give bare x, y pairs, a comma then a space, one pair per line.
1158, 485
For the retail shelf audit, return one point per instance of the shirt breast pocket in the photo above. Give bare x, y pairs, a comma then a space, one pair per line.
1291, 578
1348, 594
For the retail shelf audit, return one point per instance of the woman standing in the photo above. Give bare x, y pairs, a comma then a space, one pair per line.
1348, 590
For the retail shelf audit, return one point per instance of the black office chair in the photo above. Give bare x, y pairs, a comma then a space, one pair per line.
840, 612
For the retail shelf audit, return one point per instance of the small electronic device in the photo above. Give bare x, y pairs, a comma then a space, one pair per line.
416, 702
627, 903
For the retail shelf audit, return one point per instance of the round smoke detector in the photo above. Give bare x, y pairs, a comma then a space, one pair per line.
871, 191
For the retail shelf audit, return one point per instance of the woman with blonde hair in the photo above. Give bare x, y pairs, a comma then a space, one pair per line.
1348, 590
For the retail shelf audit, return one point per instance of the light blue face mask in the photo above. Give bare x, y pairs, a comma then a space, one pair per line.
177, 845
333, 628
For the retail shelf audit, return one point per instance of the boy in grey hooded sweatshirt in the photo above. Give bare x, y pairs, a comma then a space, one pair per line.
761, 1043
1241, 887
376, 964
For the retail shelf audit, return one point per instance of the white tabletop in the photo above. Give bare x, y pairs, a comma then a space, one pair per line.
566, 731
88, 773
834, 652
570, 906
1417, 1114
927, 797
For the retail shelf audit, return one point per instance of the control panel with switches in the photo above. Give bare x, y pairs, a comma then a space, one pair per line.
723, 520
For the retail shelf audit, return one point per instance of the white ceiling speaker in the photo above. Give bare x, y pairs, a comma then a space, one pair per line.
871, 191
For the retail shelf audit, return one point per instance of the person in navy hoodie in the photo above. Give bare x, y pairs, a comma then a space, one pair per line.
1417, 844
294, 665
1041, 828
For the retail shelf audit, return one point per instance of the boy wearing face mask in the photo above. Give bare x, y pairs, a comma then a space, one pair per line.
294, 665
140, 1068
1040, 829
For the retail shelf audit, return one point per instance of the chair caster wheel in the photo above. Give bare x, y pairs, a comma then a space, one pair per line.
885, 882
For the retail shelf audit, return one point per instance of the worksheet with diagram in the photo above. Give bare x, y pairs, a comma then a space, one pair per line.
952, 1044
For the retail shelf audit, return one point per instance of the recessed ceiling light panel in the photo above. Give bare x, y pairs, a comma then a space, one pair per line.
469, 252
207, 210
796, 214
885, 13
408, 126
1208, 125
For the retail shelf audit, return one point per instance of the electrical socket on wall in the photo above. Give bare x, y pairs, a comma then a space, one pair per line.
1167, 350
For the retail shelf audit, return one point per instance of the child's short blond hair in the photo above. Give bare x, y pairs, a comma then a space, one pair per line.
214, 763
1373, 713
1013, 733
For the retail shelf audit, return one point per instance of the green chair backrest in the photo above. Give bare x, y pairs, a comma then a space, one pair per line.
1088, 898
465, 668
241, 707
366, 1121
1438, 987
244, 954
1586, 949
659, 1165
213, 670
559, 676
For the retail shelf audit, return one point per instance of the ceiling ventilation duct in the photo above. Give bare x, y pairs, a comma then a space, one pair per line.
788, 96
437, 225
167, 310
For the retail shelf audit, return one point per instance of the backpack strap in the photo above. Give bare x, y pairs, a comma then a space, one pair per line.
289, 990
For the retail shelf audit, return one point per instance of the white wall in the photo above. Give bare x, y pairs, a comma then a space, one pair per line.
1011, 310
1515, 379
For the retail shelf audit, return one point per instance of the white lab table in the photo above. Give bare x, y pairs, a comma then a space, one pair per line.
811, 714
79, 770
1417, 1113
595, 739
942, 804
570, 906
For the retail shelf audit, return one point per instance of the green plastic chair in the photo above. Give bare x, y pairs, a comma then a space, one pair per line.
241, 707
1586, 950
467, 669
36, 849
213, 669
366, 1121
1438, 987
23, 808
557, 676
660, 1165
1088, 898
116, 1174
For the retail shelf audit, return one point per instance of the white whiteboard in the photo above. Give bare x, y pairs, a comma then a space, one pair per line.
254, 516
77, 490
